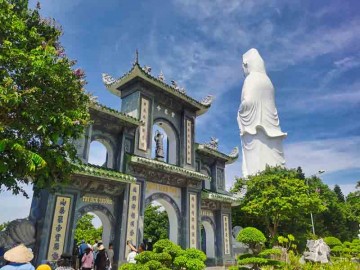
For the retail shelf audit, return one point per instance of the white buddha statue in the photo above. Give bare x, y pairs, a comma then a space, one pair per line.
261, 135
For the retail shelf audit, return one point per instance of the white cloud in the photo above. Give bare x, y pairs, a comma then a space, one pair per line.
330, 155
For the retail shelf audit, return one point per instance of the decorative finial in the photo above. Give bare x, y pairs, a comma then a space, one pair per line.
107, 79
174, 84
147, 69
234, 153
182, 90
207, 100
136, 57
213, 144
161, 76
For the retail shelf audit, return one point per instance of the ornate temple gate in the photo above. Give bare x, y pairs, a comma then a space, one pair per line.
190, 184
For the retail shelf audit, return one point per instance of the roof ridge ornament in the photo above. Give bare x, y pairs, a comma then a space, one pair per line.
213, 144
107, 79
207, 100
234, 153
161, 76
147, 69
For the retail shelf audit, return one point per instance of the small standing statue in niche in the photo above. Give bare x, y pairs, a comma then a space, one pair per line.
159, 150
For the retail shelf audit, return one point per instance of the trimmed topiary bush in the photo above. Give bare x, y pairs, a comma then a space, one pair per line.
132, 266
332, 241
165, 245
153, 265
193, 253
167, 255
252, 237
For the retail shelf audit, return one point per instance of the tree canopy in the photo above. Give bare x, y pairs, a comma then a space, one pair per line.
43, 105
85, 230
156, 223
276, 195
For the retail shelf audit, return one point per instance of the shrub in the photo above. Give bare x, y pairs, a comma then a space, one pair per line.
180, 262
268, 252
332, 241
165, 256
153, 265
132, 266
165, 245
195, 264
193, 253
144, 257
252, 237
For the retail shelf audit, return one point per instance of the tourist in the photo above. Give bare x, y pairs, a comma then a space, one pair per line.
64, 263
82, 247
43, 266
110, 253
131, 256
102, 260
133, 248
18, 258
87, 260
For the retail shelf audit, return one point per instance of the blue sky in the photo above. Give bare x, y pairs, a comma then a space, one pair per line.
311, 50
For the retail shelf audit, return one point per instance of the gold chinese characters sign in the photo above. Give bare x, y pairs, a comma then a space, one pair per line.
92, 199
155, 187
193, 220
188, 141
59, 225
133, 215
143, 131
226, 235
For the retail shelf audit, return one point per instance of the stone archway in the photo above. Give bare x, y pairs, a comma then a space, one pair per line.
106, 141
106, 217
209, 228
173, 212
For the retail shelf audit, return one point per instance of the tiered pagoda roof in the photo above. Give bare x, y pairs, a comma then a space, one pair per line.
104, 173
115, 86
206, 150
168, 168
122, 117
214, 196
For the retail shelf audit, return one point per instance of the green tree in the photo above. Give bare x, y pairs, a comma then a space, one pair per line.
156, 223
43, 106
339, 193
3, 226
335, 220
85, 230
277, 195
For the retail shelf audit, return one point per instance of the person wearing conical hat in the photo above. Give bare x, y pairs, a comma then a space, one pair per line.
43, 267
19, 258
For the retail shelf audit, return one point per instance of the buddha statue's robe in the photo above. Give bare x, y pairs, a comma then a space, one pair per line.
258, 120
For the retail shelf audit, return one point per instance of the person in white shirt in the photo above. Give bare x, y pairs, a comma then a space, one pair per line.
131, 257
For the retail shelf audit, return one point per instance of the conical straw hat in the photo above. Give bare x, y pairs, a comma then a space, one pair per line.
19, 254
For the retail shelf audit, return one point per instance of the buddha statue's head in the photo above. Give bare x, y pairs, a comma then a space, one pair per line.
252, 62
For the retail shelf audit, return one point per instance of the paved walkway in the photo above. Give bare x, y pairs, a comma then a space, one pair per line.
216, 268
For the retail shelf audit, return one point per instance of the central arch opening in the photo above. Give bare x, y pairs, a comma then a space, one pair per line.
161, 220
156, 223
